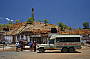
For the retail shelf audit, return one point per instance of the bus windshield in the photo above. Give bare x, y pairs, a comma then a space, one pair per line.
51, 41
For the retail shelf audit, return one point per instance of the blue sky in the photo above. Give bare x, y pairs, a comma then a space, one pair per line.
70, 12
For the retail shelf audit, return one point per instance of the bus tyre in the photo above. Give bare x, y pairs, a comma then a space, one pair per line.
71, 49
41, 50
64, 50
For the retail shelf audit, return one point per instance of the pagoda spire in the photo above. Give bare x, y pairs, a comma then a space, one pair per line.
33, 13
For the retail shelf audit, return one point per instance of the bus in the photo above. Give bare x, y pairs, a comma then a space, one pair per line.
65, 43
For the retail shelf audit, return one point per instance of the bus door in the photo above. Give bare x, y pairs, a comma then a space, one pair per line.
52, 43
58, 43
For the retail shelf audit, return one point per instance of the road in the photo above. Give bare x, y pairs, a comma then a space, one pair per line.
83, 53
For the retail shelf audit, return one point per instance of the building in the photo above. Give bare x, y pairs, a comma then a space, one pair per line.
30, 32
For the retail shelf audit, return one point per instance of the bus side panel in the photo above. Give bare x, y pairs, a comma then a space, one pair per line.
68, 44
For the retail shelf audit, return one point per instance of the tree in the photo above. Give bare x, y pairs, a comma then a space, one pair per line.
46, 21
30, 20
79, 28
85, 25
39, 20
68, 27
17, 21
63, 26
5, 25
10, 22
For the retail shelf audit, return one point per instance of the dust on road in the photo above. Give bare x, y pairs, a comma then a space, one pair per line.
83, 53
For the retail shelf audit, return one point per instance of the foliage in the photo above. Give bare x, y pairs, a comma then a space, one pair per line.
17, 21
30, 20
10, 22
86, 25
39, 20
5, 25
46, 21
79, 28
63, 26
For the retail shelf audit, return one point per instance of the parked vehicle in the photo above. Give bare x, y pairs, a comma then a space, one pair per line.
65, 43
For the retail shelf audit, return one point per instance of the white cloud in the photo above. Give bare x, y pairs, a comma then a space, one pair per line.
7, 19
12, 20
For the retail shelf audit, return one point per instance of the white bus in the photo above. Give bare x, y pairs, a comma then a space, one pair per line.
65, 43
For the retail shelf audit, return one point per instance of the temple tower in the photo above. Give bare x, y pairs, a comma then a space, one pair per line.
33, 14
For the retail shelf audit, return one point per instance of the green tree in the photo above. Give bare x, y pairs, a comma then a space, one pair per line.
67, 27
17, 21
79, 28
85, 25
46, 21
30, 20
39, 20
1, 25
5, 25
10, 22
63, 26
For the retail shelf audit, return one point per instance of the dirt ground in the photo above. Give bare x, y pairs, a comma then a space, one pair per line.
10, 53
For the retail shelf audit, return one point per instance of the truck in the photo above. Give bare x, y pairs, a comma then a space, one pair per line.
65, 43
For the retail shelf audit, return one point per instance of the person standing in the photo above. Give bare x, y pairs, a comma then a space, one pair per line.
17, 46
34, 46
21, 45
31, 45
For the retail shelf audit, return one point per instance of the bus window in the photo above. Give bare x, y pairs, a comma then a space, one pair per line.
59, 39
72, 39
68, 39
77, 39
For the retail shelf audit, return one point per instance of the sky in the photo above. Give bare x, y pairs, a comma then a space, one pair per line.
71, 12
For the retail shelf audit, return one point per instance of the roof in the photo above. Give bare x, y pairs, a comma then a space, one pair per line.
80, 32
37, 27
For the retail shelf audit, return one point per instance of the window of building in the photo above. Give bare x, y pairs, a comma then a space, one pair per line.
53, 30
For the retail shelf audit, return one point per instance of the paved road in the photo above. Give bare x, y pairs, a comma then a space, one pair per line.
82, 54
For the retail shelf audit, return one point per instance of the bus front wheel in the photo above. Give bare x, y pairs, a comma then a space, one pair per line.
64, 50
41, 50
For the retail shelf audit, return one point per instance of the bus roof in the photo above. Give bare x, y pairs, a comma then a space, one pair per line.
54, 36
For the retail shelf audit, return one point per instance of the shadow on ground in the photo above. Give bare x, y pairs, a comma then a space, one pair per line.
61, 52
